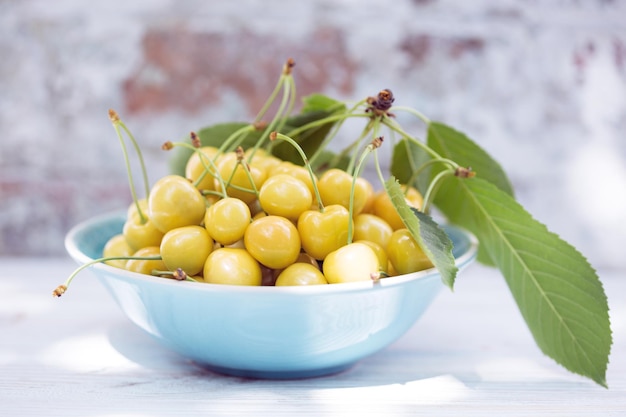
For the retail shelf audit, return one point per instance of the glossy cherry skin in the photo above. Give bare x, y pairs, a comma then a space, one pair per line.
384, 208
335, 187
286, 196
233, 267
323, 233
196, 169
139, 235
351, 263
372, 228
273, 241
381, 253
296, 171
405, 254
137, 232
175, 202
143, 266
227, 220
240, 186
300, 274
186, 248
115, 247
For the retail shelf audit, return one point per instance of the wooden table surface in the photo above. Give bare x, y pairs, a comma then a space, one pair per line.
470, 355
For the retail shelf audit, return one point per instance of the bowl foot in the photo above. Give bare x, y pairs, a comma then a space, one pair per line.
285, 374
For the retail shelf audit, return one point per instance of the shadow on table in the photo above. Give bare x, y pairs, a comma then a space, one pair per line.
399, 375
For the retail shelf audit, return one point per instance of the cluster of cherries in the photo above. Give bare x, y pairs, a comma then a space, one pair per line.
249, 218
243, 219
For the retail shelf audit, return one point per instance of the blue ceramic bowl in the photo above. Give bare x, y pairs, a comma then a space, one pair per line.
266, 332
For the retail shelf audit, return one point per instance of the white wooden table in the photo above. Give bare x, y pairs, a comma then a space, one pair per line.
470, 355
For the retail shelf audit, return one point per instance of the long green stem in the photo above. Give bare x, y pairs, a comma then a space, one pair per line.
292, 103
144, 171
131, 181
60, 290
280, 114
433, 187
205, 161
276, 135
391, 124
271, 98
246, 168
234, 139
373, 126
357, 172
350, 148
428, 163
412, 111
381, 177
341, 118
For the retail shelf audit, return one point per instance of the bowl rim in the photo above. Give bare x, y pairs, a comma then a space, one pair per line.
79, 256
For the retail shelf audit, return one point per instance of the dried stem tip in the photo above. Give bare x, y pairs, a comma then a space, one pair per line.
380, 104
113, 116
179, 274
195, 140
289, 66
240, 153
59, 291
377, 142
463, 172
273, 135
260, 125
167, 146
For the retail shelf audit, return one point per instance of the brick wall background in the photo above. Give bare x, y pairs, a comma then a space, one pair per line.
540, 84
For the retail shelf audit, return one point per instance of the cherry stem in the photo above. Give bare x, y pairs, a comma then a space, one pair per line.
451, 164
433, 187
379, 172
279, 119
374, 126
286, 73
393, 125
348, 149
228, 184
116, 125
341, 118
203, 160
60, 290
292, 102
235, 139
178, 275
357, 172
271, 98
246, 168
412, 111
276, 135
144, 171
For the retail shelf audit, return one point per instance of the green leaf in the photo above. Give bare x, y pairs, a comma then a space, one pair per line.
316, 101
432, 239
310, 140
557, 291
454, 145
406, 159
315, 107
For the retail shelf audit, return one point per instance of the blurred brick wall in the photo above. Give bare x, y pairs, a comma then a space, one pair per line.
540, 84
